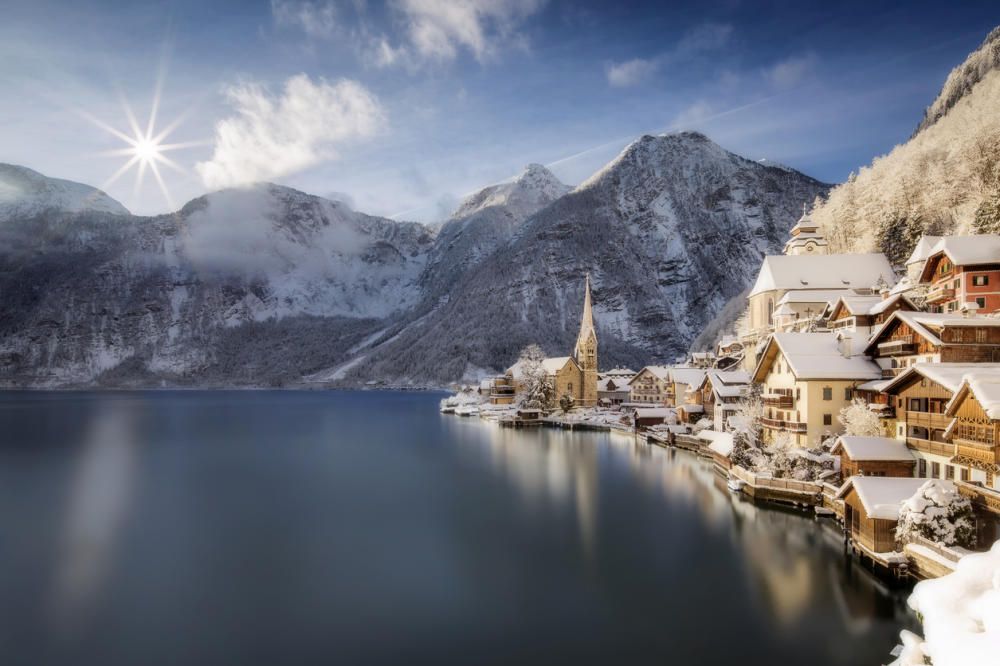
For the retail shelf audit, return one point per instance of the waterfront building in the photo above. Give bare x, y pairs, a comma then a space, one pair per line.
873, 456
806, 380
871, 511
651, 385
612, 391
975, 430
720, 393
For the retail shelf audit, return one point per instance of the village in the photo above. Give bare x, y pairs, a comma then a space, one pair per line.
865, 394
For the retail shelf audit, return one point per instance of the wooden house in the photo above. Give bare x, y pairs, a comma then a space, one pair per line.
873, 456
871, 511
963, 269
908, 338
975, 431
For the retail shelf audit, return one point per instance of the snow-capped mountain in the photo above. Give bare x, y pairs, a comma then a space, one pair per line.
669, 230
945, 179
270, 286
485, 221
24, 192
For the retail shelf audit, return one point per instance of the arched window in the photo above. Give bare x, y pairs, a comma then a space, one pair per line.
770, 312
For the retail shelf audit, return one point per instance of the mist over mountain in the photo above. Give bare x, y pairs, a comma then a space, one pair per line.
270, 286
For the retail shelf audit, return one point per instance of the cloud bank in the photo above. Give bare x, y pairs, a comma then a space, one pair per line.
696, 41
271, 136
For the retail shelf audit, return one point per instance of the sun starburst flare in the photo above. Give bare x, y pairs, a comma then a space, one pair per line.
144, 148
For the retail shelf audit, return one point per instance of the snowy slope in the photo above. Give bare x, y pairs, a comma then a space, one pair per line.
24, 193
945, 179
670, 230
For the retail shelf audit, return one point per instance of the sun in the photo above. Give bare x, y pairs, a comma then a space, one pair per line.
144, 147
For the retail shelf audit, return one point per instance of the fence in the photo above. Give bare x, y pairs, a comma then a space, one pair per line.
791, 485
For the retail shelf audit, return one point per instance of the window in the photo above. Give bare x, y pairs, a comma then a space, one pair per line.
827, 393
980, 280
900, 429
828, 419
980, 332
949, 472
798, 393
965, 474
981, 302
848, 394
569, 387
935, 470
922, 468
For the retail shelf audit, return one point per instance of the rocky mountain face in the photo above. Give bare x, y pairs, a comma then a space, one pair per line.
669, 231
270, 286
945, 179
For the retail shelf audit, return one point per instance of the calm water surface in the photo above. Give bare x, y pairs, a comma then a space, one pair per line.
366, 528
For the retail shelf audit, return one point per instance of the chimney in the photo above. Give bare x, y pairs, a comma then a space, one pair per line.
844, 345
970, 309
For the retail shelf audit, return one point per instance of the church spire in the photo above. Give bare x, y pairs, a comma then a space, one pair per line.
586, 341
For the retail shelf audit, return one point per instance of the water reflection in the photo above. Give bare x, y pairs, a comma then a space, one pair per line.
794, 566
96, 507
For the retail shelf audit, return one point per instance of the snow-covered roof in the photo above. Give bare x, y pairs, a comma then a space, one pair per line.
877, 385
612, 384
817, 356
690, 376
872, 448
948, 375
784, 310
985, 386
653, 412
929, 324
922, 249
813, 296
728, 340
969, 250
719, 442
886, 303
856, 304
824, 271
551, 365
882, 496
692, 409
658, 371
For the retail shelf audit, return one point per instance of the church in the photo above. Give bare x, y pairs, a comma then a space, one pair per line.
576, 375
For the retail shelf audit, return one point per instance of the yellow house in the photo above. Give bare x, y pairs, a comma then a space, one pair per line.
806, 381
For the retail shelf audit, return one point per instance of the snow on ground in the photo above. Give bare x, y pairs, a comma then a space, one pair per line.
961, 615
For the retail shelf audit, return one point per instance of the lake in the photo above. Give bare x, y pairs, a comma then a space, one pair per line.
257, 527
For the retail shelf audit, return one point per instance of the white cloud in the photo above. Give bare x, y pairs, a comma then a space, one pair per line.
693, 116
316, 19
631, 72
270, 136
790, 72
438, 28
700, 39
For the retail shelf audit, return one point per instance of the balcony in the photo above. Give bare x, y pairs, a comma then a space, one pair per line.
901, 346
889, 373
788, 426
928, 446
777, 400
846, 322
939, 294
984, 452
928, 420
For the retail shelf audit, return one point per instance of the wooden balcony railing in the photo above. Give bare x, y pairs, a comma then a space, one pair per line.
790, 426
928, 420
777, 400
898, 347
981, 496
982, 451
927, 446
938, 294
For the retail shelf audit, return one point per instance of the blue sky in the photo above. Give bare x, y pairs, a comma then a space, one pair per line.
401, 108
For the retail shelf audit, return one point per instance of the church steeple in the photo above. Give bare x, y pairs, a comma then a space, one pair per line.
805, 237
586, 342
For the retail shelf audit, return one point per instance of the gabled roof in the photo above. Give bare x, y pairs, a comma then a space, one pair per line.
985, 386
814, 296
928, 324
824, 271
551, 365
814, 356
964, 251
947, 375
882, 496
922, 249
855, 305
658, 371
689, 376
872, 448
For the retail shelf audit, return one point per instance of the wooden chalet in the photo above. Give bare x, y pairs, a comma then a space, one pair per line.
871, 512
873, 456
908, 338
